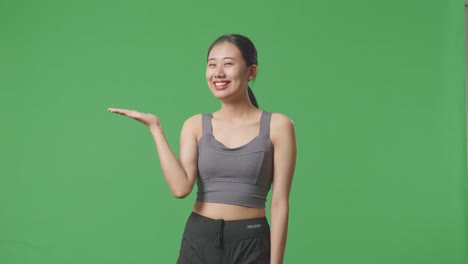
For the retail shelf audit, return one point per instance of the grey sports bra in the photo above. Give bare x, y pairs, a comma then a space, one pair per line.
241, 175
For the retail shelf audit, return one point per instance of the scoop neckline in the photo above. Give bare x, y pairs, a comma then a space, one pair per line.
221, 144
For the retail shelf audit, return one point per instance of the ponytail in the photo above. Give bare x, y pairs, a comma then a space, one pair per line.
252, 98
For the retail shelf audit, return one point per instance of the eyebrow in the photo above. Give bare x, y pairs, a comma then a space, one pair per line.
222, 58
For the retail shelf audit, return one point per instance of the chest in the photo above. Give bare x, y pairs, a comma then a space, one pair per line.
234, 135
251, 163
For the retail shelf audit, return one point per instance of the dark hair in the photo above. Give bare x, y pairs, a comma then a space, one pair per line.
248, 51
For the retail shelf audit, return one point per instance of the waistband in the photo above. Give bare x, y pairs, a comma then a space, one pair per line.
223, 231
231, 192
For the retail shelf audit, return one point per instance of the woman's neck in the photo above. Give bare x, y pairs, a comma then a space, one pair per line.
235, 110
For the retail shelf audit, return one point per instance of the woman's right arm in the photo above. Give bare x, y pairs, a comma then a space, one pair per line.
180, 174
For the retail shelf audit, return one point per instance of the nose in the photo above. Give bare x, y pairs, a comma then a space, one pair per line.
219, 73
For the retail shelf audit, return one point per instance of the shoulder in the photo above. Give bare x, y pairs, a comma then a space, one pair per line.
280, 121
193, 120
193, 125
281, 127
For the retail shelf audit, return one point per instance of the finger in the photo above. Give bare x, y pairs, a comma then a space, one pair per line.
118, 110
110, 109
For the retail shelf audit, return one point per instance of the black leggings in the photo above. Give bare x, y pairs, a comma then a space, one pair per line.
210, 241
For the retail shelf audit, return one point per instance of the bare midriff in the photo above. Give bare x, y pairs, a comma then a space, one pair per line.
227, 211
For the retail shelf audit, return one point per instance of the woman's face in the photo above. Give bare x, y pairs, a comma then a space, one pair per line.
226, 72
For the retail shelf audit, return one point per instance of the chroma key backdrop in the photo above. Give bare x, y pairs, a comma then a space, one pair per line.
376, 90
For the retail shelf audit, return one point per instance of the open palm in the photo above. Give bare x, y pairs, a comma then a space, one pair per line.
145, 118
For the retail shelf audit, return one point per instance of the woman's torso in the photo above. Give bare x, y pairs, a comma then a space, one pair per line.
232, 136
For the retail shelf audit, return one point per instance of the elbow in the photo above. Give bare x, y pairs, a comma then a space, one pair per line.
280, 204
180, 194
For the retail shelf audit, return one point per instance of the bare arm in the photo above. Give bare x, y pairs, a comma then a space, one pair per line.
284, 142
180, 174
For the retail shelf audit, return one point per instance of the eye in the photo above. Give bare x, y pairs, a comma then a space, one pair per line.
211, 65
228, 64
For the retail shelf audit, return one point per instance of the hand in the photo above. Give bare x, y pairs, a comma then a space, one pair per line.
147, 119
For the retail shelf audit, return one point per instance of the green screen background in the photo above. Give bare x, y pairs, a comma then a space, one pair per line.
376, 90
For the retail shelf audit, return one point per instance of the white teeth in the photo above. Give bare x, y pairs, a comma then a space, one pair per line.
221, 83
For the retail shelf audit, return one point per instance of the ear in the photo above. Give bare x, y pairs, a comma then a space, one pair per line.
253, 69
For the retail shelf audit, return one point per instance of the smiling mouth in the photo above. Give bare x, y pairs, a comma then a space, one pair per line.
221, 85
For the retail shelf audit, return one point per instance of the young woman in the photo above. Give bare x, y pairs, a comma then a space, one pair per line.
234, 154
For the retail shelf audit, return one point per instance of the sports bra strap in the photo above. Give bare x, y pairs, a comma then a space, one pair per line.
206, 124
265, 124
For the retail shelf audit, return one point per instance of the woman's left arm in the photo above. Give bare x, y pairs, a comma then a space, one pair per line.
284, 143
